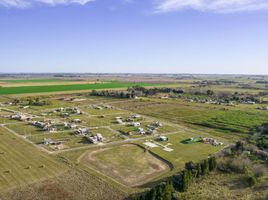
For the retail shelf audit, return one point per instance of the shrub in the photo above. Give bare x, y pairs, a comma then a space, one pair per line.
251, 181
204, 167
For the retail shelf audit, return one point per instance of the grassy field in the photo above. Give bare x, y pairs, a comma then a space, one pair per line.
184, 152
71, 185
226, 186
74, 87
21, 163
127, 163
228, 120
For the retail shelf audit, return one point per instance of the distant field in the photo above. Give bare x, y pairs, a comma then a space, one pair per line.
32, 80
21, 163
58, 88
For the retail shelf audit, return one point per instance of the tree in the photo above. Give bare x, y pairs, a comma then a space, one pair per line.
186, 179
210, 92
198, 169
212, 163
204, 167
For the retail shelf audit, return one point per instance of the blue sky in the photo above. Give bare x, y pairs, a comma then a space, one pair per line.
136, 36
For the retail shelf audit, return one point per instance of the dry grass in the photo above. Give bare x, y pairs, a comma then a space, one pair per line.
73, 185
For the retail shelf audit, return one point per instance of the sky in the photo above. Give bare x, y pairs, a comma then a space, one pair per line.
134, 36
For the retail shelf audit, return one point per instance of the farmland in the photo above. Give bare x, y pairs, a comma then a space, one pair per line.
24, 164
121, 146
59, 88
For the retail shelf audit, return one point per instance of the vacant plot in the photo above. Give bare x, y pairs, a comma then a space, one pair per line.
58, 88
129, 164
21, 163
71, 185
226, 186
238, 119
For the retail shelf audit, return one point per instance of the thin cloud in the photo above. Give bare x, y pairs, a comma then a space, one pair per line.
29, 3
219, 6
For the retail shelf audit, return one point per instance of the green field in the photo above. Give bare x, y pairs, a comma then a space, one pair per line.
22, 163
73, 87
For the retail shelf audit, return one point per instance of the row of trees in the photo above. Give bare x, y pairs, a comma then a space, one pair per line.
135, 91
181, 181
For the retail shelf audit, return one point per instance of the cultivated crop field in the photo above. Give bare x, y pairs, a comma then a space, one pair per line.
69, 87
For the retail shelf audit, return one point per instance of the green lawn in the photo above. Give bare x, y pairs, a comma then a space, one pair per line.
73, 87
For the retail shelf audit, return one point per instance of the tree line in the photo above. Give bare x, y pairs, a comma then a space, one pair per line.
135, 91
180, 182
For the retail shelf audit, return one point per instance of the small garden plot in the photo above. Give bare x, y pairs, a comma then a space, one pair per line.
128, 164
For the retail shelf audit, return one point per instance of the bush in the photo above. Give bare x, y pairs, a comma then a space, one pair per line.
204, 167
251, 181
258, 170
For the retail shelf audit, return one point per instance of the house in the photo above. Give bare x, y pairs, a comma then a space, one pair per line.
119, 120
76, 121
136, 116
96, 138
99, 137
157, 124
82, 131
59, 110
72, 126
65, 114
51, 142
49, 128
93, 139
163, 138
151, 131
20, 117
48, 141
135, 124
141, 131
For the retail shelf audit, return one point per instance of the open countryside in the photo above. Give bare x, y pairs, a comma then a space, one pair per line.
130, 139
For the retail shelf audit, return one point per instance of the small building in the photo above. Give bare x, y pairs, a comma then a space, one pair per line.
48, 141
82, 131
141, 131
163, 138
76, 121
135, 124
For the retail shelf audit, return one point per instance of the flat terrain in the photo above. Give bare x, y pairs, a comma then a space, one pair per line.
21, 163
71, 185
70, 87
129, 164
129, 158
